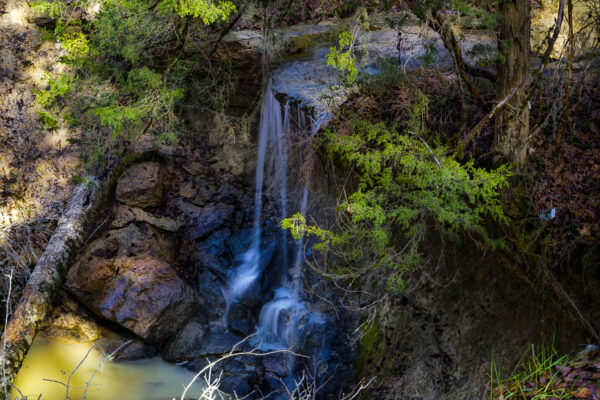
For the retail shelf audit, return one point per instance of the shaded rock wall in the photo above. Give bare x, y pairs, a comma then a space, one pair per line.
437, 339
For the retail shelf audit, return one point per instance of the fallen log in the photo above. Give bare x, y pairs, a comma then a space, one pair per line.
47, 278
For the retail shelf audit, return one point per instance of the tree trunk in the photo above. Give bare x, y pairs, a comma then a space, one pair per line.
49, 274
512, 121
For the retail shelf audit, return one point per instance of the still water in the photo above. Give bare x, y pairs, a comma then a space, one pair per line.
49, 360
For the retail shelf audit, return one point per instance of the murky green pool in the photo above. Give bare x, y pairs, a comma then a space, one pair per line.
49, 362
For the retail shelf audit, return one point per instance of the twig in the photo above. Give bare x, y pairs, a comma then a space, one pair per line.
233, 353
79, 365
106, 357
491, 114
225, 31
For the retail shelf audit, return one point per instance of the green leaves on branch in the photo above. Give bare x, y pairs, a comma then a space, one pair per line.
298, 227
403, 187
124, 69
53, 8
207, 10
341, 58
75, 44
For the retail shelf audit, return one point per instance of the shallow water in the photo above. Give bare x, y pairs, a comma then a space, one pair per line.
151, 379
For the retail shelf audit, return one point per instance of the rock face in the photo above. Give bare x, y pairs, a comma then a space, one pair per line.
201, 221
127, 279
439, 338
186, 344
144, 295
140, 186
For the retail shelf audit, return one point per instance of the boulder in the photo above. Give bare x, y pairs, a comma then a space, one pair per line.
142, 294
201, 221
140, 185
239, 376
121, 217
217, 341
185, 346
279, 364
134, 350
71, 322
131, 241
164, 223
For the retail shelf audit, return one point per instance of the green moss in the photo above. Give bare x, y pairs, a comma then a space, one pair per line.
370, 348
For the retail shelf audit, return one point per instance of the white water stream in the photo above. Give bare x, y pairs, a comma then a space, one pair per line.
279, 317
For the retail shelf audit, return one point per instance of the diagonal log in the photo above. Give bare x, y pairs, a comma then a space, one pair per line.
49, 274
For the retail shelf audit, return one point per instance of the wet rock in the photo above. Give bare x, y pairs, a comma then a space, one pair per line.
218, 341
205, 261
314, 335
134, 350
240, 242
203, 220
239, 375
236, 378
215, 244
186, 344
140, 185
211, 294
142, 294
279, 364
240, 320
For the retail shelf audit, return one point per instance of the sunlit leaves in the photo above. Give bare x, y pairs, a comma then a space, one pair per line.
75, 44
403, 184
207, 10
341, 58
53, 8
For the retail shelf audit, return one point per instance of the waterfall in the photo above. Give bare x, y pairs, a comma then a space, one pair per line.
270, 135
278, 319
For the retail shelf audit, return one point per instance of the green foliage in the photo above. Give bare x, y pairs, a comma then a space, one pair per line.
49, 121
53, 8
341, 58
125, 74
75, 44
371, 345
207, 10
117, 118
298, 227
57, 88
402, 186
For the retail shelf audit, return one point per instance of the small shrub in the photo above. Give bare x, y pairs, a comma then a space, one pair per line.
402, 186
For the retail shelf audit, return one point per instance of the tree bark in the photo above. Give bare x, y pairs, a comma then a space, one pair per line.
49, 274
512, 121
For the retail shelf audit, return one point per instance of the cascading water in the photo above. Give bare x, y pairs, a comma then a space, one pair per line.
278, 318
270, 132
